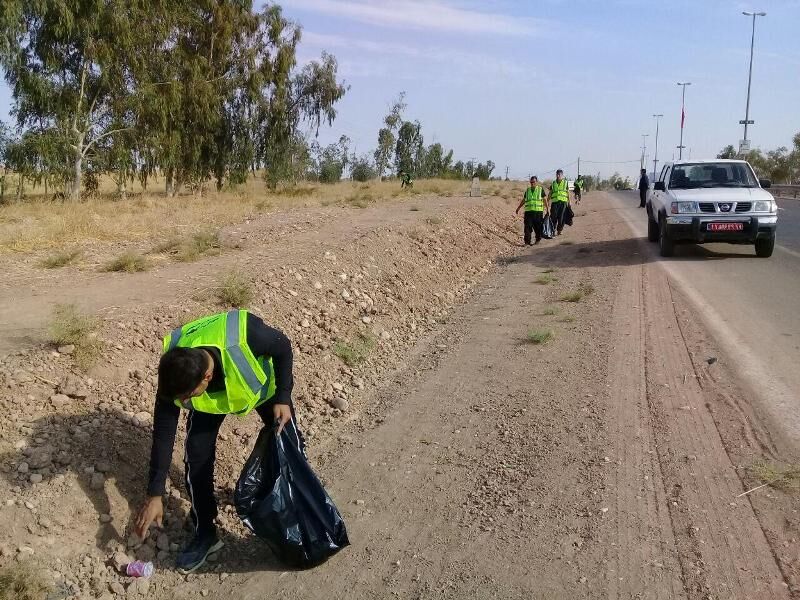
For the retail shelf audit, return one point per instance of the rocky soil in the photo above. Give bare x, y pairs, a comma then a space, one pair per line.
74, 445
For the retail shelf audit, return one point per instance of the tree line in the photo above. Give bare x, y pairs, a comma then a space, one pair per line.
195, 91
780, 165
400, 148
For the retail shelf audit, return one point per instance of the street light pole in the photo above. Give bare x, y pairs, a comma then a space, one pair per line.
655, 155
747, 121
683, 114
644, 147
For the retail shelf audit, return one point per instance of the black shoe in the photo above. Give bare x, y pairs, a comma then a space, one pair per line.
194, 555
536, 242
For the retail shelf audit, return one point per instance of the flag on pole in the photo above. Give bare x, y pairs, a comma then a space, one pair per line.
683, 116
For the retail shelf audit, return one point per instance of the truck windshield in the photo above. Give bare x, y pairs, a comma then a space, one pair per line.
712, 175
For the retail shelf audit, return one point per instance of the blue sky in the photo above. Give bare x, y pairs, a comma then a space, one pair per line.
533, 85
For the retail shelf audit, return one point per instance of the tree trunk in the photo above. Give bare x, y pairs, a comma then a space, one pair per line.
169, 182
75, 188
122, 187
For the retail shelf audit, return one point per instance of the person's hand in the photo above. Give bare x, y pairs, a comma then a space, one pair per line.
152, 510
282, 414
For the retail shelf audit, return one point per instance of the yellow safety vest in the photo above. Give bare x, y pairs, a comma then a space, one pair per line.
249, 381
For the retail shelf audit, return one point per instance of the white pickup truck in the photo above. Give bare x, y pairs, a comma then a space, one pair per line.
718, 200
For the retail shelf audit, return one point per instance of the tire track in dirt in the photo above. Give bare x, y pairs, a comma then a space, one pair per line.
722, 549
644, 553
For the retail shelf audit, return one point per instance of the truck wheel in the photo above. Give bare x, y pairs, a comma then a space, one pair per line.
765, 246
652, 230
665, 245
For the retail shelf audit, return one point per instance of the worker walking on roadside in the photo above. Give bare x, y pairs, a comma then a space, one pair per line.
578, 186
227, 363
535, 202
559, 199
644, 185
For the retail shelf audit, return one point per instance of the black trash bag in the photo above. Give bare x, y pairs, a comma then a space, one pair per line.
281, 500
547, 228
568, 215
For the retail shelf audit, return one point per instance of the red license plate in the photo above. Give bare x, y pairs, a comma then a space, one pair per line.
726, 226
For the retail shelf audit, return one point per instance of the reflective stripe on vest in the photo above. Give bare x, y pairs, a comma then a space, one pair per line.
559, 192
533, 199
249, 381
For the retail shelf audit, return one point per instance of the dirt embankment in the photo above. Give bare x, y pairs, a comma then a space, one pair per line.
354, 289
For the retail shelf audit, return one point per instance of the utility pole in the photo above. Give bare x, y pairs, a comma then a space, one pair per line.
579, 165
744, 145
506, 173
655, 154
683, 114
644, 147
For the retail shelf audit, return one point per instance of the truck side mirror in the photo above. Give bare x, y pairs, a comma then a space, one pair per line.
765, 183
659, 185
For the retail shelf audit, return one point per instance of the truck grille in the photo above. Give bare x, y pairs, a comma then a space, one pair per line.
743, 206
707, 207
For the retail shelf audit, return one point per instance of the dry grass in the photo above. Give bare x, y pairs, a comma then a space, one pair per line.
434, 221
359, 199
549, 270
417, 234
129, 262
545, 279
20, 582
549, 311
567, 319
786, 478
39, 222
62, 259
538, 336
70, 326
356, 351
192, 247
235, 290
583, 290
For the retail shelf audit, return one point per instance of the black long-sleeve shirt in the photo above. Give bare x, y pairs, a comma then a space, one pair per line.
263, 340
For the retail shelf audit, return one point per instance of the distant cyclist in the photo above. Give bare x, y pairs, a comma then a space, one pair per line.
405, 180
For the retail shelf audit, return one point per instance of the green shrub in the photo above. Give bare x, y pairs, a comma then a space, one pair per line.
355, 351
130, 262
539, 336
69, 326
62, 259
545, 279
235, 290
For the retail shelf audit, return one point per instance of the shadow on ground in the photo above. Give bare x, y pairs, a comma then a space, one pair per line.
79, 444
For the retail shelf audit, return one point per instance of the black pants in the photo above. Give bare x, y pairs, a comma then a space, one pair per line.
198, 461
642, 197
557, 210
534, 221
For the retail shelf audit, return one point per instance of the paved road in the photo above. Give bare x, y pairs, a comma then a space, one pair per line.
789, 225
751, 305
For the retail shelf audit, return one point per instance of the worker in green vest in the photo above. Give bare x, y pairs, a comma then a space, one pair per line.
535, 202
578, 186
559, 199
227, 363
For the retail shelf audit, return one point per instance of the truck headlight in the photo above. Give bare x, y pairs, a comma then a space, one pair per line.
679, 208
765, 206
